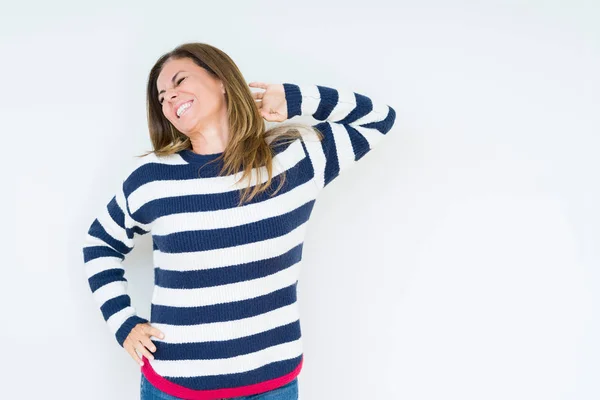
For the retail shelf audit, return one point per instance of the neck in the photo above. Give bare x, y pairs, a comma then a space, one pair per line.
212, 137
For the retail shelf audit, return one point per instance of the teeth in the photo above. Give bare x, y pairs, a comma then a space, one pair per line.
183, 107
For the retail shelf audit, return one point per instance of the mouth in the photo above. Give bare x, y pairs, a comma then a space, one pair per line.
191, 102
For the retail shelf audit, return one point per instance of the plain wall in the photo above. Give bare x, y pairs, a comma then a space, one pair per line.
457, 260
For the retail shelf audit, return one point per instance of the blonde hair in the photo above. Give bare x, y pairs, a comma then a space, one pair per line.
250, 144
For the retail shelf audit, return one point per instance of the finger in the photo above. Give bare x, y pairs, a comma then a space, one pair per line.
131, 350
156, 333
144, 351
261, 85
147, 331
149, 344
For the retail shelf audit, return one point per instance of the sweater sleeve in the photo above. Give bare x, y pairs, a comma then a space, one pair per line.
352, 124
108, 240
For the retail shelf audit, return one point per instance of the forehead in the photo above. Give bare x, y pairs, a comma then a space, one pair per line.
171, 67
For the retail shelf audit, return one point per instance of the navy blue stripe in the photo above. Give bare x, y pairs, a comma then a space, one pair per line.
107, 276
116, 213
114, 305
385, 125
200, 159
228, 348
153, 171
138, 230
329, 99
228, 274
209, 239
293, 99
264, 373
332, 164
92, 252
364, 106
224, 311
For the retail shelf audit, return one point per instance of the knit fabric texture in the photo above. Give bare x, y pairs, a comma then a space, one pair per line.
225, 277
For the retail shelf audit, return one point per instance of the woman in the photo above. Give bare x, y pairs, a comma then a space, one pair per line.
227, 203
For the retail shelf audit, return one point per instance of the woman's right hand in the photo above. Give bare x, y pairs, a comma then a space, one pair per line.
139, 339
273, 104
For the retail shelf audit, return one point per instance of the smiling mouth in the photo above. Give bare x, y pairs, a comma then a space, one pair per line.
184, 111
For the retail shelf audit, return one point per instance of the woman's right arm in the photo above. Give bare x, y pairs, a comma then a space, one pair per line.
352, 124
107, 242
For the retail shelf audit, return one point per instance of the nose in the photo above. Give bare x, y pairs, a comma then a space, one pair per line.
171, 95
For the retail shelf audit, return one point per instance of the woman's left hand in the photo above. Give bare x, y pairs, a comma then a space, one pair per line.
271, 103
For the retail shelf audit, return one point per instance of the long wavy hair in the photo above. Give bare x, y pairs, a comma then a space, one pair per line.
250, 144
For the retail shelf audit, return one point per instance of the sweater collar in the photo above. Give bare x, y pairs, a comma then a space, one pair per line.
195, 158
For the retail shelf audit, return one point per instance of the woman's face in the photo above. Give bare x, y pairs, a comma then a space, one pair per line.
183, 82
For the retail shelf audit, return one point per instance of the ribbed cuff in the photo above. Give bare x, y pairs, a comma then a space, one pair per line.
293, 98
127, 327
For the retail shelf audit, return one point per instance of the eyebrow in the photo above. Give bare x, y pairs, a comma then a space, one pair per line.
172, 80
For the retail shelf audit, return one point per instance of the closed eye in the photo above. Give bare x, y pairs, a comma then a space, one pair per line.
178, 82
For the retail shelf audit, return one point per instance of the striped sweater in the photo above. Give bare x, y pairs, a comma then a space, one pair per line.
225, 277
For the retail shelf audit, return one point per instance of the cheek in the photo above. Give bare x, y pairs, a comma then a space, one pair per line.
167, 113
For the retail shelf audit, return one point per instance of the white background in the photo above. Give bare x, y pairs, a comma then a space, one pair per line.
459, 260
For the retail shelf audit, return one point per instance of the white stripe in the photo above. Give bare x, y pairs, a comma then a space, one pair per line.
171, 159
343, 146
226, 293
116, 320
248, 252
228, 330
314, 148
345, 105
231, 217
372, 135
243, 363
310, 99
110, 291
99, 264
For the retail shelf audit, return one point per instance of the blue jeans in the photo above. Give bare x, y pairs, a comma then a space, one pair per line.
288, 391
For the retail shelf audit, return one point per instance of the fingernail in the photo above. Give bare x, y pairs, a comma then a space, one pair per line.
141, 363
